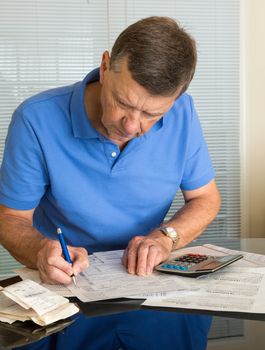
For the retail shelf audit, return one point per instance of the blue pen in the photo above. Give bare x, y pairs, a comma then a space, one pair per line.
65, 251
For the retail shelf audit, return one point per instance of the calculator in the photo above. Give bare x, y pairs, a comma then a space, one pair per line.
194, 265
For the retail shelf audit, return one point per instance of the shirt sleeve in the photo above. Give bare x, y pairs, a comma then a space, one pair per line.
198, 170
23, 173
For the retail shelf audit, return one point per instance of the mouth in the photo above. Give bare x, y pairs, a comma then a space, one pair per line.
124, 135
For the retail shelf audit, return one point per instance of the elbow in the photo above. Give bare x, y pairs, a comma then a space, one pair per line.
216, 202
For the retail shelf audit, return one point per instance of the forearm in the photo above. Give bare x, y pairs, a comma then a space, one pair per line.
143, 253
21, 239
193, 218
32, 249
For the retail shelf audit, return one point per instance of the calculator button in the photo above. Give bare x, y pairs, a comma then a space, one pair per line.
170, 266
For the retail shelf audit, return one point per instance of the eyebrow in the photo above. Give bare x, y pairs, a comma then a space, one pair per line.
130, 106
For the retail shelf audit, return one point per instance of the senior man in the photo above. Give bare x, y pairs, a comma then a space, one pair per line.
103, 159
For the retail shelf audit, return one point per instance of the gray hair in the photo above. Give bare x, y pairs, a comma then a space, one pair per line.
160, 55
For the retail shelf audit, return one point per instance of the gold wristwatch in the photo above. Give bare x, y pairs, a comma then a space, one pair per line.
171, 233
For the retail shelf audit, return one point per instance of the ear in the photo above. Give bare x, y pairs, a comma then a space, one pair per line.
104, 66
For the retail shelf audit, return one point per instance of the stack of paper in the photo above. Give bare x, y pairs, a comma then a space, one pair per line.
239, 287
27, 300
28, 274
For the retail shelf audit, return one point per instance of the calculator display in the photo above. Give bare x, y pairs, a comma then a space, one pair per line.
193, 265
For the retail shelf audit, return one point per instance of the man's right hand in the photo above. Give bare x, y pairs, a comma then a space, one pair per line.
52, 266
32, 249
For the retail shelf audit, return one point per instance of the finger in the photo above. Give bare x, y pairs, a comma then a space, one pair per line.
52, 266
124, 259
80, 260
132, 254
53, 275
132, 260
142, 259
60, 263
152, 258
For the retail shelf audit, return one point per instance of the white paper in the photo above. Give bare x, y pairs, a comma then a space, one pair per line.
8, 308
7, 320
231, 289
251, 259
108, 278
26, 300
60, 313
111, 256
25, 273
29, 294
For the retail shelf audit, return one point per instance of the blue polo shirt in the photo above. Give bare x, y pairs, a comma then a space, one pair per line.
55, 161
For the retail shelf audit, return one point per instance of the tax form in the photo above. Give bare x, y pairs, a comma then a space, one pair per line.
249, 259
238, 289
107, 278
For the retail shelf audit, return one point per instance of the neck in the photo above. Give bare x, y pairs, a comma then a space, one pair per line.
92, 103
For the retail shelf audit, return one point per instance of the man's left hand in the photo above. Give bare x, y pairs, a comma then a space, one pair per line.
143, 253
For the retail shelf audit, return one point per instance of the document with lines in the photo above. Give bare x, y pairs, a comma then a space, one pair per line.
107, 278
27, 300
238, 289
29, 274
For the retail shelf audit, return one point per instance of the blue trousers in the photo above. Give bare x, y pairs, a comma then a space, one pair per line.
134, 330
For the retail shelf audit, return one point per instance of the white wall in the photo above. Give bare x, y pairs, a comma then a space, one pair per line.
253, 79
254, 101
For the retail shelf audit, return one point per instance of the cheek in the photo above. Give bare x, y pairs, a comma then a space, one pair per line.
112, 115
110, 111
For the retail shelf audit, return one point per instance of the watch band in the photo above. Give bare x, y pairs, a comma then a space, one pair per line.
171, 233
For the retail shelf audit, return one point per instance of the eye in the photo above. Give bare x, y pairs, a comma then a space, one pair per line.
148, 116
122, 104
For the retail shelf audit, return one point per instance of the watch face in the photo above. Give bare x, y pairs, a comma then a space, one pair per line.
171, 232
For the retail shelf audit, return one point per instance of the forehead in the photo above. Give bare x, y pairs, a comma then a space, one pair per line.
122, 85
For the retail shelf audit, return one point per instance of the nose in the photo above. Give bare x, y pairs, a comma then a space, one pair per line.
131, 123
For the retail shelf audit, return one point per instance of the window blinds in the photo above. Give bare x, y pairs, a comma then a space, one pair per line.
53, 43
56, 42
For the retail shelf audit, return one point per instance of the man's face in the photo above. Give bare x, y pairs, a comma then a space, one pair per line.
128, 110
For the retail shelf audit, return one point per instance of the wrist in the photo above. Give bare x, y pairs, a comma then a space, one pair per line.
172, 234
40, 248
167, 242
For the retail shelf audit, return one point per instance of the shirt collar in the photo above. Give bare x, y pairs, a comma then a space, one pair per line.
82, 127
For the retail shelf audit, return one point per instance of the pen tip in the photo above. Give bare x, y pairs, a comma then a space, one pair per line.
59, 230
74, 280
